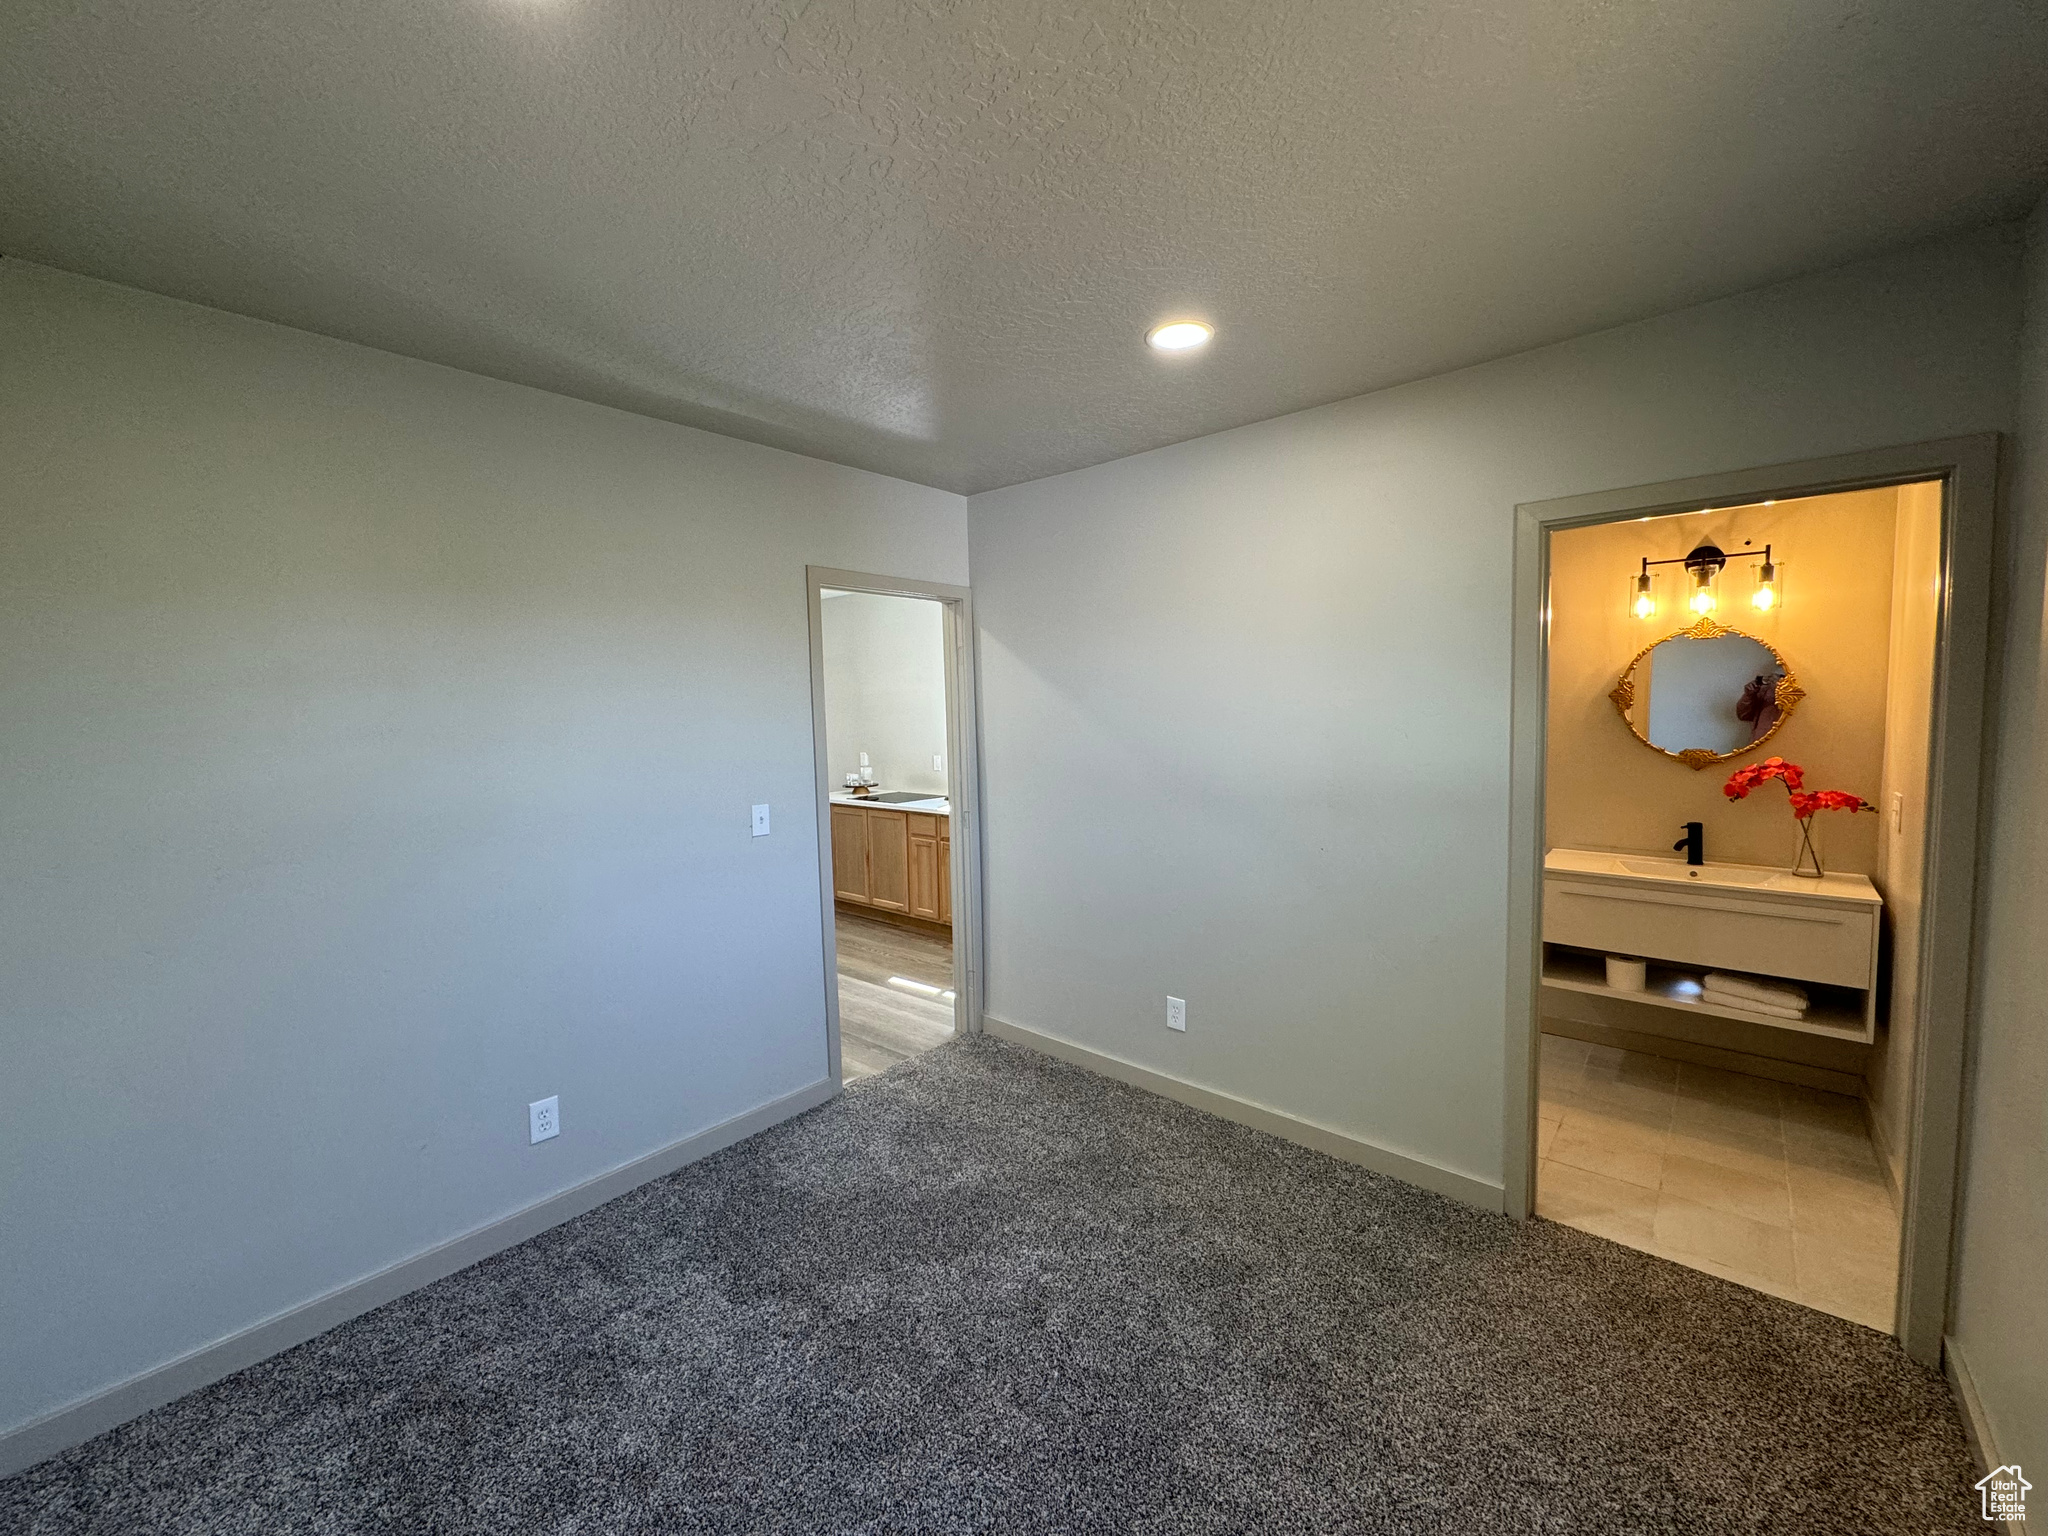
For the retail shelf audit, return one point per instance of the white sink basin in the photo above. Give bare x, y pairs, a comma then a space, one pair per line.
1586, 861
1704, 874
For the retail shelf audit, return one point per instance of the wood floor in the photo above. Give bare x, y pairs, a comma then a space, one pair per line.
895, 994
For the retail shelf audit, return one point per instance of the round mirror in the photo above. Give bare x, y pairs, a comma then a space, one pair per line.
1706, 694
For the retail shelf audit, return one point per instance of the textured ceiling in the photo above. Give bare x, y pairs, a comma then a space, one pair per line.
926, 236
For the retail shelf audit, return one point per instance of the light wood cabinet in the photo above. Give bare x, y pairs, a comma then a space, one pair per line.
924, 865
850, 852
893, 861
888, 860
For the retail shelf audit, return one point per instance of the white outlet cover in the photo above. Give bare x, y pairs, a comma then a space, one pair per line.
760, 821
544, 1119
1177, 1014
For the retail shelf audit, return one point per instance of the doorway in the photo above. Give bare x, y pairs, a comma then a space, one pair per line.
892, 709
1711, 1057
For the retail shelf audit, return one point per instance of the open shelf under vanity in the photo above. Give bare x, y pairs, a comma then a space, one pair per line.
1840, 1013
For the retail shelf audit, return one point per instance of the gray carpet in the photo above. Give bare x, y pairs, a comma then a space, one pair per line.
988, 1292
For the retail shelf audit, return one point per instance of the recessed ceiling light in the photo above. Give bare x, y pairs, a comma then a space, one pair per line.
1179, 335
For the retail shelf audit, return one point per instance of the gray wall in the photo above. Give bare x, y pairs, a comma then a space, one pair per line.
885, 688
1245, 699
2000, 1321
378, 743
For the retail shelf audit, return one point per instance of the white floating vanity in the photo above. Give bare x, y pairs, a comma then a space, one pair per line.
1690, 919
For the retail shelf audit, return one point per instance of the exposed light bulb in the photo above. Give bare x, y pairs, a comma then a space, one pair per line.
1703, 595
1645, 605
1766, 596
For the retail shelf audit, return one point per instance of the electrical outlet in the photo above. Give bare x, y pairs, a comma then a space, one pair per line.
760, 821
543, 1119
1177, 1014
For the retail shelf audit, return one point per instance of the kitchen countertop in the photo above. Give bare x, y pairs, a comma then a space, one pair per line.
938, 805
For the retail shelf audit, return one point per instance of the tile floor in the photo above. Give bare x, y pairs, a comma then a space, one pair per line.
1760, 1182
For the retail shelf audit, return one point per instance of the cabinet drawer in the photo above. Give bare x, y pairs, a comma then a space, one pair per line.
1835, 945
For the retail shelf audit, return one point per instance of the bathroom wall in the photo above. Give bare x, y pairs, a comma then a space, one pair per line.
1604, 789
885, 689
1902, 806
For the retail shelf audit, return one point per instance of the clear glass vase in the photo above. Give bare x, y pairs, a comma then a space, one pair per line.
1806, 851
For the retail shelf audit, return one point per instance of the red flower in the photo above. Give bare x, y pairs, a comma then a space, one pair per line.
1756, 775
1804, 802
1804, 806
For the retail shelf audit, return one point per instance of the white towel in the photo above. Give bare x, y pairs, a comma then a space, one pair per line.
1749, 1005
1779, 994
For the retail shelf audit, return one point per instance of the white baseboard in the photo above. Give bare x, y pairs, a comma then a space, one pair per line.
1887, 1163
78, 1421
1975, 1426
1399, 1165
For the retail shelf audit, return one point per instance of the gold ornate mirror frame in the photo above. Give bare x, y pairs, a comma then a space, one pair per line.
1624, 695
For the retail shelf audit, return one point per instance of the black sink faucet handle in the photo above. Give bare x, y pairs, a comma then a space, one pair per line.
1693, 843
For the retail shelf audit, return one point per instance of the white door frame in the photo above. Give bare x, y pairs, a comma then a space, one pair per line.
1968, 470
963, 748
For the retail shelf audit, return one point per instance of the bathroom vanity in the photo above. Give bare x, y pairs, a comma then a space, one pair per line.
1689, 919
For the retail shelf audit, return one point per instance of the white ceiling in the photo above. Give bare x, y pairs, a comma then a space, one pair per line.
926, 236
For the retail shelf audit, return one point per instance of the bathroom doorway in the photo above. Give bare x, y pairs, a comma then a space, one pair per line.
892, 680
1737, 1042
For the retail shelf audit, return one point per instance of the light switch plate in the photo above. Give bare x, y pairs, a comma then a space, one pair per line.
1177, 1014
760, 821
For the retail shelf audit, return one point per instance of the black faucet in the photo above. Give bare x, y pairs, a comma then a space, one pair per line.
1693, 843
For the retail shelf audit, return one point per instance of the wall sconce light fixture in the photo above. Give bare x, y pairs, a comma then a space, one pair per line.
1703, 600
1765, 598
1704, 565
